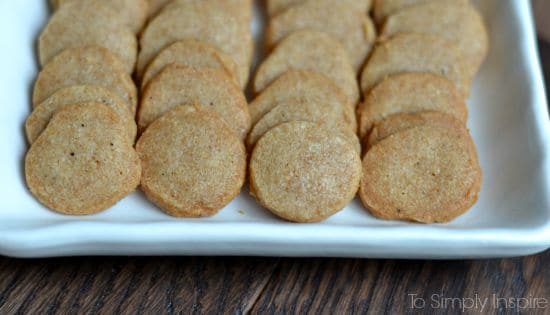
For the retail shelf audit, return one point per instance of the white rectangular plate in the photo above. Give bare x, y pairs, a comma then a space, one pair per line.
509, 121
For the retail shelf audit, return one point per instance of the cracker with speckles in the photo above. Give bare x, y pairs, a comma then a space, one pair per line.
403, 121
426, 174
412, 52
275, 7
352, 28
319, 112
200, 20
76, 25
193, 53
303, 173
296, 84
409, 93
43, 113
193, 163
212, 88
92, 65
455, 21
133, 13
82, 163
313, 51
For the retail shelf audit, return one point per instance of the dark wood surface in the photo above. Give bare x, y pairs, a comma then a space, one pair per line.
174, 285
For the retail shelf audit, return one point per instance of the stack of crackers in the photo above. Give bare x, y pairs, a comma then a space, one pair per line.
193, 61
337, 109
420, 162
305, 161
82, 127
193, 64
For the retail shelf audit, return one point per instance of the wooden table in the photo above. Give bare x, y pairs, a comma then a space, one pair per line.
273, 285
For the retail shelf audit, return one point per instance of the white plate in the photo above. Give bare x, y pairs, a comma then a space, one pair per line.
509, 121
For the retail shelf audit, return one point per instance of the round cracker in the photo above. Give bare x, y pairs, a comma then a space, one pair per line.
403, 121
426, 174
412, 52
304, 173
275, 7
313, 51
193, 53
352, 28
319, 112
42, 114
193, 163
383, 8
92, 65
212, 88
200, 20
409, 93
457, 22
76, 24
82, 163
132, 13
298, 84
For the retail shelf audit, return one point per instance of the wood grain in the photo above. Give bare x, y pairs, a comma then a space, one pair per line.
132, 285
171, 285
332, 286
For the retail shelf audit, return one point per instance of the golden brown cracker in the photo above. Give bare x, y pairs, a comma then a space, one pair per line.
42, 114
200, 20
92, 65
319, 112
193, 162
352, 28
412, 52
82, 163
455, 21
303, 173
426, 174
297, 84
70, 28
212, 88
133, 13
409, 93
403, 121
313, 51
193, 53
